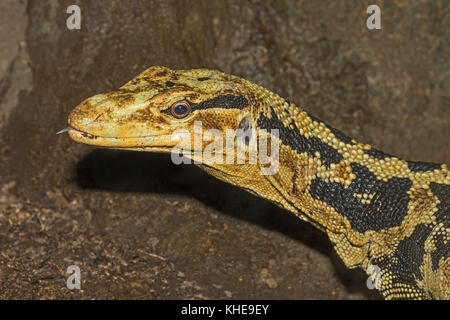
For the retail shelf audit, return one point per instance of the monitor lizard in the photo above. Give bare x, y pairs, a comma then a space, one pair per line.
386, 215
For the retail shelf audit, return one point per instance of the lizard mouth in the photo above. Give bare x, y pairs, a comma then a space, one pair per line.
161, 143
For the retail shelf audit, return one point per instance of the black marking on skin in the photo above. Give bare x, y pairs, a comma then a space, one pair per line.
377, 154
442, 249
170, 83
441, 191
402, 275
405, 263
386, 209
203, 78
296, 141
423, 166
410, 253
227, 101
338, 134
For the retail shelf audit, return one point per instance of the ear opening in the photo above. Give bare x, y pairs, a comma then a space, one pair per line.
244, 133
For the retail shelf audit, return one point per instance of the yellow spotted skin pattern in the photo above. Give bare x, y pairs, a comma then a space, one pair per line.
380, 212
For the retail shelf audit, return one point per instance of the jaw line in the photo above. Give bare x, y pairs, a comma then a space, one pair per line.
162, 143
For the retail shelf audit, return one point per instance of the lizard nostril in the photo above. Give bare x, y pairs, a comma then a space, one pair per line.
98, 116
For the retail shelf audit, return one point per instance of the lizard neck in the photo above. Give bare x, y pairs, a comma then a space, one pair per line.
341, 186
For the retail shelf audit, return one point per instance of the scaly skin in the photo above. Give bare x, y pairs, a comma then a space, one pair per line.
377, 209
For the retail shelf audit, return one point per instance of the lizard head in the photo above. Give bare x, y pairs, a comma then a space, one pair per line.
163, 109
150, 111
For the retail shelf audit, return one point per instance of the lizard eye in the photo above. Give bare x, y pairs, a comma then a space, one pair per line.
180, 109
